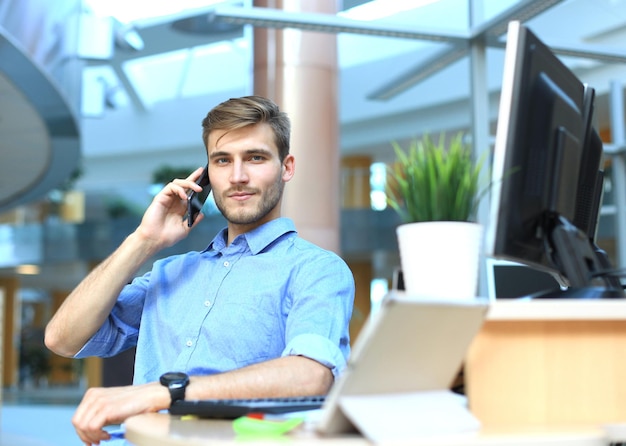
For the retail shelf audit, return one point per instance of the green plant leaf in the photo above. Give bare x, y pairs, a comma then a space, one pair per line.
434, 181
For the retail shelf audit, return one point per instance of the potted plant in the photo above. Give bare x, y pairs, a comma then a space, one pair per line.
434, 186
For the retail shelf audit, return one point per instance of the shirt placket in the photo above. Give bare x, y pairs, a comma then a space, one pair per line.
225, 263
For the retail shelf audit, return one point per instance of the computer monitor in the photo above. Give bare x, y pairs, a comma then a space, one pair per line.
547, 172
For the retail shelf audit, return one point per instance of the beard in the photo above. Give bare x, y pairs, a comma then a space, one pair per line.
245, 215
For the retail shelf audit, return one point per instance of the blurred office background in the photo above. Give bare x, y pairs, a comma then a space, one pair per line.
101, 103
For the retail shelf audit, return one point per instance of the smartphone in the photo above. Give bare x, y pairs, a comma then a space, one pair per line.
195, 200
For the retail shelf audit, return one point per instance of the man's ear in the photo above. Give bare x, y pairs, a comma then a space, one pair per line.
289, 167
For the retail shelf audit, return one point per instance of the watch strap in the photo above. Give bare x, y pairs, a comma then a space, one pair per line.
177, 391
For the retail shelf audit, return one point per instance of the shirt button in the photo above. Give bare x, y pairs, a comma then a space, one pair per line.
207, 303
226, 263
189, 343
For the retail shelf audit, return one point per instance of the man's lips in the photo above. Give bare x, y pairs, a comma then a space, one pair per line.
240, 196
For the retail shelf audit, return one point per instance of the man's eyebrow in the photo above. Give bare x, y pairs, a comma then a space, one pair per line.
218, 154
257, 151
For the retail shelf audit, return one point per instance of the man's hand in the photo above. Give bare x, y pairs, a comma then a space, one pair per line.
162, 223
285, 376
112, 405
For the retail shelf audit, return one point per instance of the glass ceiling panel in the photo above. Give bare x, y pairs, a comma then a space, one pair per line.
227, 65
446, 14
219, 67
157, 78
191, 72
357, 49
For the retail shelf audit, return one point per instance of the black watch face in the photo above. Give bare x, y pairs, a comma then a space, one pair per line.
174, 378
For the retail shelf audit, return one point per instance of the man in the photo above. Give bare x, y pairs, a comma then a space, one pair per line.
260, 312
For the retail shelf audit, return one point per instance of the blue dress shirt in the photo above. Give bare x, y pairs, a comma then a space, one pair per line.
268, 294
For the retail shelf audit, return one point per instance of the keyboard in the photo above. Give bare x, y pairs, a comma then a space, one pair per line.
234, 408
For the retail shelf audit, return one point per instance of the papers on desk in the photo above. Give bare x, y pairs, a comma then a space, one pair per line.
388, 417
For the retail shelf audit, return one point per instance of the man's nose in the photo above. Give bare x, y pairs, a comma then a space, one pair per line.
238, 173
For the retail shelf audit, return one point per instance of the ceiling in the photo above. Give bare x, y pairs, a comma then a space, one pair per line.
145, 84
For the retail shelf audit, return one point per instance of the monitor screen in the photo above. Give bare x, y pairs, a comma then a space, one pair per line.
547, 171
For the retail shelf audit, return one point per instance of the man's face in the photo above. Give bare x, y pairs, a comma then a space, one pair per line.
247, 176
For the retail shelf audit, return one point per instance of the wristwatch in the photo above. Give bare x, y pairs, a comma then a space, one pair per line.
176, 382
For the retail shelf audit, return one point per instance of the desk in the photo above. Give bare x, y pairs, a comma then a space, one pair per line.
546, 362
165, 430
535, 368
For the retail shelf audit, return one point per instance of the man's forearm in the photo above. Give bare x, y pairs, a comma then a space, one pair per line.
286, 376
87, 307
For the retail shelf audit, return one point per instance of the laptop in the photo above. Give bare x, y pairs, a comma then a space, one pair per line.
401, 368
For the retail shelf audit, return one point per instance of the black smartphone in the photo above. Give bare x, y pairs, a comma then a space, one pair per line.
195, 200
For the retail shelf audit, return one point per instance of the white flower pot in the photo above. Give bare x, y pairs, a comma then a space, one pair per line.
440, 259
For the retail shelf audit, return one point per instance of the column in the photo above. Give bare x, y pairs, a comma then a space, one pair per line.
298, 70
10, 330
355, 196
355, 182
2, 322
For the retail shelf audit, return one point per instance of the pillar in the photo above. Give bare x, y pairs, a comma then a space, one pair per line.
1, 340
362, 271
298, 70
355, 179
10, 331
355, 194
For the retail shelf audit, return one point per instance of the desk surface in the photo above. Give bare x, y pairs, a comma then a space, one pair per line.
165, 430
160, 429
558, 309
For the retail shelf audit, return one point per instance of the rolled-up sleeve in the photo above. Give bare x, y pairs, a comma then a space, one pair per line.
321, 302
318, 348
121, 328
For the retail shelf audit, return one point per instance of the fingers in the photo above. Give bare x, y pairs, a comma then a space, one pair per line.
181, 186
163, 222
195, 175
91, 417
112, 405
190, 181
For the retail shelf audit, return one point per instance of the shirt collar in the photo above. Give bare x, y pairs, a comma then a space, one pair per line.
259, 238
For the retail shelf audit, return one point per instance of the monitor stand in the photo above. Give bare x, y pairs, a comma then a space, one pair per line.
585, 266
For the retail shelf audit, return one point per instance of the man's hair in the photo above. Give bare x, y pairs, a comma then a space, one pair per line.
241, 112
